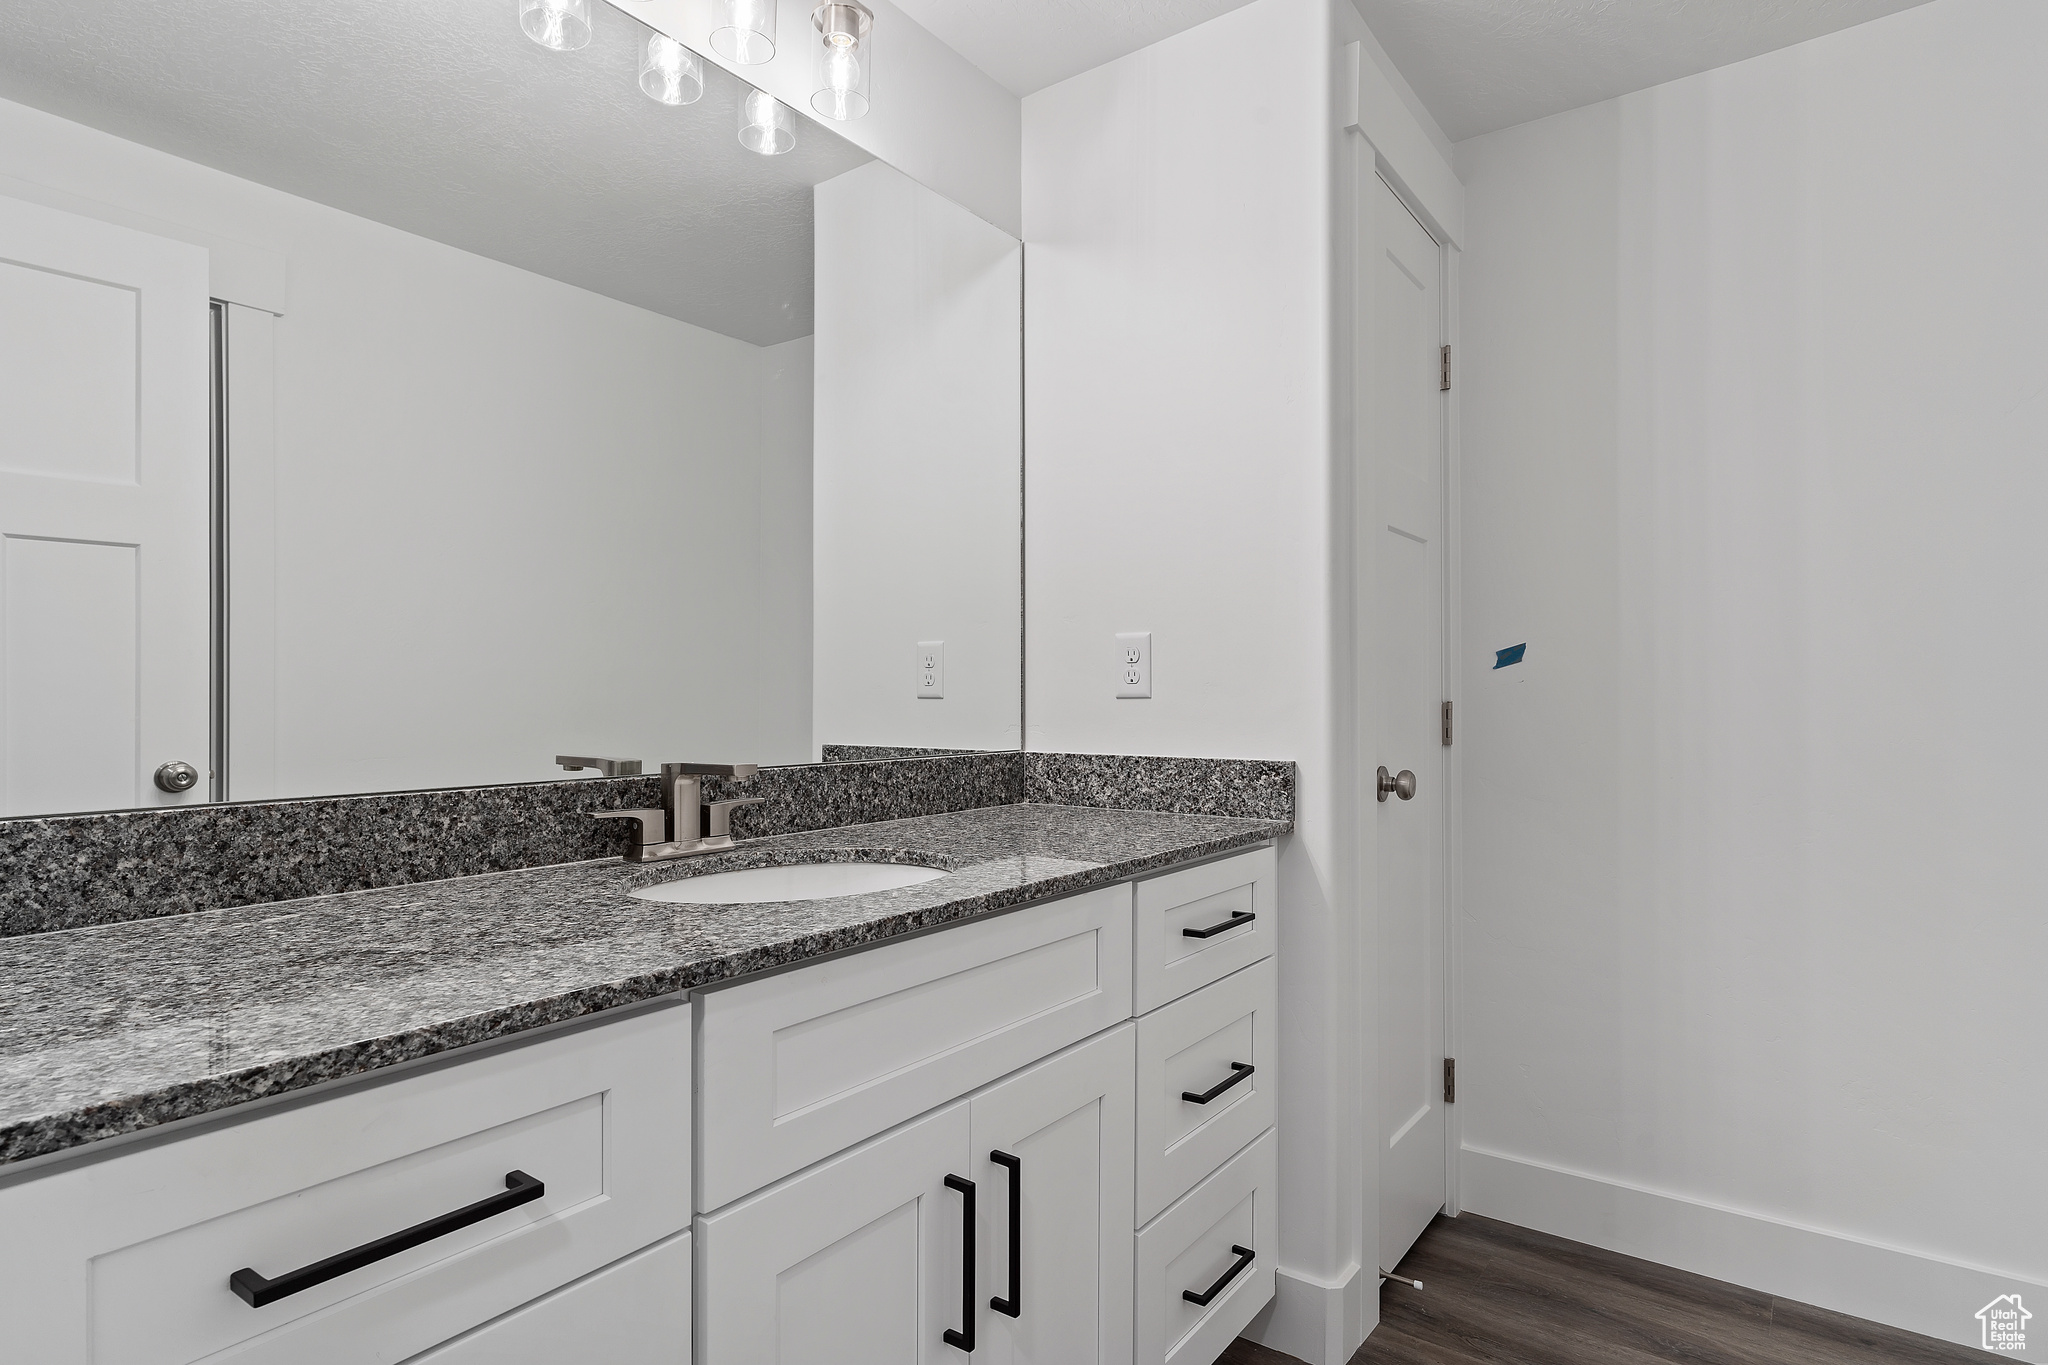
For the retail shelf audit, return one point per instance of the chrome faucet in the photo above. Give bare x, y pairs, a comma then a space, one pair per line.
687, 824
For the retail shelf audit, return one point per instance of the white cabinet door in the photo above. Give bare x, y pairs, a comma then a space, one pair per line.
1052, 1162
858, 1261
103, 512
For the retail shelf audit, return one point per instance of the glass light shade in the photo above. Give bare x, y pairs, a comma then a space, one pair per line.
563, 25
745, 31
844, 61
767, 125
670, 72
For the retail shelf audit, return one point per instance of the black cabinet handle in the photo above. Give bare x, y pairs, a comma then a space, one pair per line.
1013, 1306
964, 1340
1238, 1071
1202, 1300
257, 1290
1222, 926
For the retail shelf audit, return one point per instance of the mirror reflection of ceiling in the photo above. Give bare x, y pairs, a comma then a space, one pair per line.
441, 118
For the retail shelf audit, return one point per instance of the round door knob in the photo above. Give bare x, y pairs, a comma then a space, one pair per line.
183, 777
1402, 785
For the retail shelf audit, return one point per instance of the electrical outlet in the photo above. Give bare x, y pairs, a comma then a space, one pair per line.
931, 668
1134, 664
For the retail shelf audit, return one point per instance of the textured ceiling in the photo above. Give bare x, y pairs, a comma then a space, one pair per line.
1480, 65
441, 118
1026, 45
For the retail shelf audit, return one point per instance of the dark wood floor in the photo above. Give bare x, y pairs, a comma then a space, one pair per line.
1496, 1294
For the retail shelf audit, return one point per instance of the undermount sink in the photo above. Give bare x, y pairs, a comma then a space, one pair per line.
796, 882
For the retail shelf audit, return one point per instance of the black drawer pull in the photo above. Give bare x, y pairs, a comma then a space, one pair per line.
256, 1290
1202, 1300
1224, 926
1238, 1071
964, 1340
1013, 1306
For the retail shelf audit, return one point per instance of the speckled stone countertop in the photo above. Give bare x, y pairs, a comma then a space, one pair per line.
118, 1028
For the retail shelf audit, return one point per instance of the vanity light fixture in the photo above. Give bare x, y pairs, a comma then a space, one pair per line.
562, 25
844, 58
669, 72
746, 31
767, 125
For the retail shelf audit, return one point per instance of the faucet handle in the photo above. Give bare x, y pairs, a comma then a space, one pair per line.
610, 767
653, 823
721, 814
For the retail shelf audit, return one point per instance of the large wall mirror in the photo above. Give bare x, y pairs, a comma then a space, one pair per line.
388, 400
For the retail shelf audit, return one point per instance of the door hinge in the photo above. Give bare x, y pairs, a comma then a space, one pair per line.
1447, 725
1450, 1080
1444, 384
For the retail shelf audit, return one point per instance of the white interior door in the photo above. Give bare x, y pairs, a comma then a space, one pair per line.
103, 512
1065, 1128
1407, 430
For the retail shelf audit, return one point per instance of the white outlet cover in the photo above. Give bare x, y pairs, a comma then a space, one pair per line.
931, 668
1134, 664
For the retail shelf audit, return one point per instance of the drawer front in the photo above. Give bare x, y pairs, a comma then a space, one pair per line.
798, 1066
127, 1261
1192, 1248
1189, 1048
1189, 927
634, 1313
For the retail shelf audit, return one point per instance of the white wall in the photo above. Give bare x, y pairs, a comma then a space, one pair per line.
1176, 210
917, 465
1754, 432
512, 518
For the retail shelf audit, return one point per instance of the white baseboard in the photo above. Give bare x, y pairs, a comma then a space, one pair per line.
1899, 1288
1318, 1321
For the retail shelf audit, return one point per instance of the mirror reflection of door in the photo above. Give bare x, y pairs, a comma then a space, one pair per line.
104, 601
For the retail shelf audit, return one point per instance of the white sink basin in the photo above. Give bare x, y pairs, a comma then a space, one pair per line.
797, 882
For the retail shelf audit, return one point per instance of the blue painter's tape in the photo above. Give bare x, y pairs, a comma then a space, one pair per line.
1511, 655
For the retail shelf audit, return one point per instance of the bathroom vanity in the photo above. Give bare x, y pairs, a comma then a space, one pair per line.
569, 403
1020, 1111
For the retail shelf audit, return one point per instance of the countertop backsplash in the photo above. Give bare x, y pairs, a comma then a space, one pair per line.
74, 871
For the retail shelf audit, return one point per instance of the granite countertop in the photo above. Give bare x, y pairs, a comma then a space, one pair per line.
119, 1028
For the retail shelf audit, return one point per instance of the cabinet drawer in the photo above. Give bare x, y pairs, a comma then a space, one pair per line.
1200, 925
634, 1313
1191, 1047
795, 1067
1193, 1247
127, 1261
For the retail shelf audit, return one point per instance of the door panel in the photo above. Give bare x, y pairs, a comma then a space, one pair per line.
1407, 543
69, 611
1068, 1122
68, 386
103, 512
854, 1262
